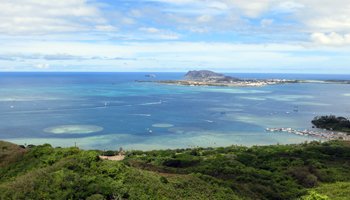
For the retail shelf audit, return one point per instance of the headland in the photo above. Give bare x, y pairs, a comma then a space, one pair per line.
210, 78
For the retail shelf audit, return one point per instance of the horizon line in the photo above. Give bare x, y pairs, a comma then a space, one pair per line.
171, 72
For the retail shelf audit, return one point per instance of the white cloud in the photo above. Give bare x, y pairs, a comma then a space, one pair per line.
149, 29
218, 5
204, 18
252, 8
106, 28
156, 33
169, 56
266, 22
333, 39
325, 16
128, 21
309, 15
330, 23
288, 7
42, 17
48, 35
42, 66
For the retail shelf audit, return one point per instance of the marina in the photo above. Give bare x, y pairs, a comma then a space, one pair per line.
324, 134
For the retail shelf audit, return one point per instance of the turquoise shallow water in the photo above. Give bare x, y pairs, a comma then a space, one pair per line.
110, 110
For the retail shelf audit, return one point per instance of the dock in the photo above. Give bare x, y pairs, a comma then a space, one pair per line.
324, 134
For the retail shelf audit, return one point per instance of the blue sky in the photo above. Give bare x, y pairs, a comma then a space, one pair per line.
294, 36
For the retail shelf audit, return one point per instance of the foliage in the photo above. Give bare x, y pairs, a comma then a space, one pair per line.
335, 191
332, 122
44, 172
315, 196
308, 171
109, 153
259, 172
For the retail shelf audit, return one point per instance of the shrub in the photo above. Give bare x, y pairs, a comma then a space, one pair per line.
163, 180
109, 153
95, 197
314, 196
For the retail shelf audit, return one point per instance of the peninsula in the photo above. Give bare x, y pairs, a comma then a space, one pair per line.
210, 78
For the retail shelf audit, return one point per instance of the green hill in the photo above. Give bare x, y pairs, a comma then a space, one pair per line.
265, 172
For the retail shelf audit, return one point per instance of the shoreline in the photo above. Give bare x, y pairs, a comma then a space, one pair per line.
323, 134
190, 146
241, 83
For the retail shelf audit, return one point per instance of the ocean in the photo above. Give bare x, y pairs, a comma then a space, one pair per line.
111, 110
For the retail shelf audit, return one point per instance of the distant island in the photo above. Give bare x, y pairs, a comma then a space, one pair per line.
210, 78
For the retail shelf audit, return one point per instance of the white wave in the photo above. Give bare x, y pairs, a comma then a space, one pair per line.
14, 99
150, 103
144, 115
73, 129
162, 125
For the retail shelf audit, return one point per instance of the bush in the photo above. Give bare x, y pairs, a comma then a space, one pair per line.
95, 197
180, 162
109, 153
332, 122
164, 180
314, 196
304, 176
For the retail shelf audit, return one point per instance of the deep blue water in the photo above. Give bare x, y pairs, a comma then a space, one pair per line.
111, 110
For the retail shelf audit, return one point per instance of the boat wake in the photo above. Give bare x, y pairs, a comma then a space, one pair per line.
151, 103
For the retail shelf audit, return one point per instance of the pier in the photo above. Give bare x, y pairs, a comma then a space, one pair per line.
324, 134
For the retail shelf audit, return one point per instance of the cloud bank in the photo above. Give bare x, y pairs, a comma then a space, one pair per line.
175, 35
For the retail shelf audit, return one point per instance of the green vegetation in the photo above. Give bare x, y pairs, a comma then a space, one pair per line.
44, 172
333, 191
332, 123
315, 196
305, 171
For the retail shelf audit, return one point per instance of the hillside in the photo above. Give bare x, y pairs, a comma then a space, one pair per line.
268, 172
206, 75
10, 153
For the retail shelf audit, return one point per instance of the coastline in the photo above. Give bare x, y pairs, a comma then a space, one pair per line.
322, 134
241, 83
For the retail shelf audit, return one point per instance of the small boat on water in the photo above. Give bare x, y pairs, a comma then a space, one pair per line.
106, 104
